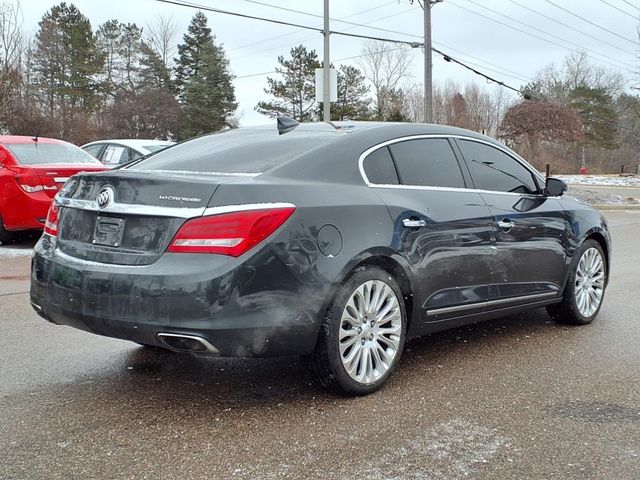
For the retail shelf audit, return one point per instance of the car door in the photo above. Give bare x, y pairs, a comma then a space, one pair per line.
441, 228
529, 227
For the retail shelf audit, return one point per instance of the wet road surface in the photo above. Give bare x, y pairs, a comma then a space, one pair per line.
517, 398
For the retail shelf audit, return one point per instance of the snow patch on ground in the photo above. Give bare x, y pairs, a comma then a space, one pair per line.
604, 180
453, 449
593, 197
15, 251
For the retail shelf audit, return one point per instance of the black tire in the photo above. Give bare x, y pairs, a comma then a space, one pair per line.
5, 235
568, 311
326, 362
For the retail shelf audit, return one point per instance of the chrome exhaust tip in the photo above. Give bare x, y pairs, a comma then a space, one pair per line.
187, 343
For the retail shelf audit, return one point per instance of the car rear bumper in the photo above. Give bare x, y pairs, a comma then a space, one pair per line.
25, 211
252, 307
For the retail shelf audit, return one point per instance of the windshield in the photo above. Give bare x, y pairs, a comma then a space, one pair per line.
43, 153
235, 151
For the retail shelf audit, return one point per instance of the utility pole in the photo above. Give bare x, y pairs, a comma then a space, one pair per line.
428, 67
326, 97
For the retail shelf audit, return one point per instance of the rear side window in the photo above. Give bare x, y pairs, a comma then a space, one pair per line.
93, 149
494, 170
235, 151
44, 153
427, 162
379, 168
116, 154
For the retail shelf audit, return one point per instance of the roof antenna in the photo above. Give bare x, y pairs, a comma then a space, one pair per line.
286, 124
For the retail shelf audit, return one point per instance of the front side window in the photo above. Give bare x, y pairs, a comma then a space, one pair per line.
427, 162
494, 170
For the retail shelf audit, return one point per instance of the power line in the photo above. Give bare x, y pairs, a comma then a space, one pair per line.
336, 61
570, 27
384, 4
446, 56
631, 4
515, 74
312, 38
619, 9
320, 16
532, 34
449, 58
539, 29
238, 14
590, 22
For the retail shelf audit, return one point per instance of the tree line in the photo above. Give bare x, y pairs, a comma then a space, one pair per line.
120, 80
76, 83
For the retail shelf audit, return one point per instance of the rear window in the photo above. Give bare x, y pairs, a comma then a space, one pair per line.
44, 153
235, 151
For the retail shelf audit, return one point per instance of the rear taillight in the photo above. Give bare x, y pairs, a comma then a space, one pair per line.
51, 224
229, 233
29, 183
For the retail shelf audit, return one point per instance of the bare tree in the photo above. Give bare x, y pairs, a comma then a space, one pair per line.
11, 50
161, 35
555, 83
386, 68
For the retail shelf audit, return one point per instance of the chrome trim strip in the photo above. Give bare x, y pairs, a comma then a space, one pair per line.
490, 303
60, 179
158, 211
210, 348
243, 208
535, 296
512, 154
131, 209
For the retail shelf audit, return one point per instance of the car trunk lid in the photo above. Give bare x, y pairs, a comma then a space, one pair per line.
129, 217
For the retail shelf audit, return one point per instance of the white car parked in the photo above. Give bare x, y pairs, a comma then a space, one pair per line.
116, 152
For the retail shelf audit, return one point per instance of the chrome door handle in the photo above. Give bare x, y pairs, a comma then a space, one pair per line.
413, 223
506, 225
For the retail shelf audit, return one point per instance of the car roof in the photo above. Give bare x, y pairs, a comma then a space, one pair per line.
131, 142
13, 139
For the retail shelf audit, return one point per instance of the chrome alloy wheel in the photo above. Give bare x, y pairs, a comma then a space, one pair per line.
370, 330
589, 286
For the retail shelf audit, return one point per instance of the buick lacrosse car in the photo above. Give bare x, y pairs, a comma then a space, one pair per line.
333, 241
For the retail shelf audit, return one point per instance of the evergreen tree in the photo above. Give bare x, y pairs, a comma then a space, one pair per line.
599, 118
295, 93
122, 47
203, 82
66, 61
352, 103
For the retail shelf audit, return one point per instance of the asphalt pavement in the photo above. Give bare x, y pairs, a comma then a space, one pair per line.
518, 398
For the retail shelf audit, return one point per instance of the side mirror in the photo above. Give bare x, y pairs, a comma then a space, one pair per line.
554, 187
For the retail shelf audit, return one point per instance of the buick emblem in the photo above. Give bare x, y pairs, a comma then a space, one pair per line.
105, 197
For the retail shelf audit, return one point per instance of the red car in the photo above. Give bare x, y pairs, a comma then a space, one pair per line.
31, 172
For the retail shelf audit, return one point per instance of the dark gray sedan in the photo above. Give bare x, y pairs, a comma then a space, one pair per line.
332, 241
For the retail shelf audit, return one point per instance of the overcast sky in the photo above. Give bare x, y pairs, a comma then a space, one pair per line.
492, 47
